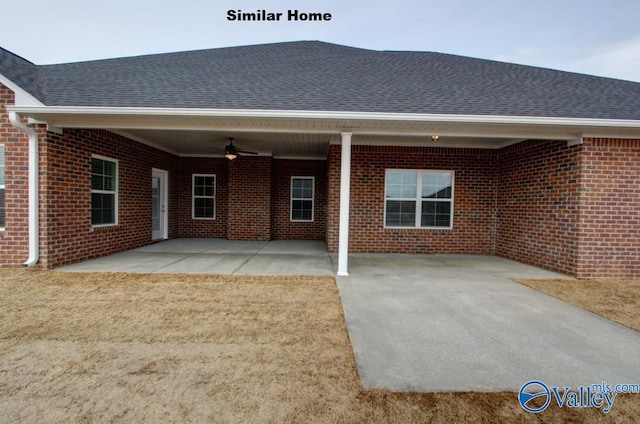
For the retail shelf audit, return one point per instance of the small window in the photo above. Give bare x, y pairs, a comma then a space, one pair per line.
302, 194
104, 191
204, 196
419, 199
2, 186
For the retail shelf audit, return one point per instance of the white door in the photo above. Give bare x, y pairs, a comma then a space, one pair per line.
159, 204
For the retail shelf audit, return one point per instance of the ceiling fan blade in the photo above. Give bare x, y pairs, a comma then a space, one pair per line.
231, 150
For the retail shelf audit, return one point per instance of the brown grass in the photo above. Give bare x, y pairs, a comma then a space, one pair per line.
617, 300
102, 347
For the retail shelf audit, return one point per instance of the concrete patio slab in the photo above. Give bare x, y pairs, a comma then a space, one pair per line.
290, 264
458, 323
217, 256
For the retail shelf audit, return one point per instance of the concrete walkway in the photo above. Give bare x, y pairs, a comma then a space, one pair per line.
218, 256
458, 323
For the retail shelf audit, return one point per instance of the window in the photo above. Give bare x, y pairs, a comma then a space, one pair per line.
2, 186
302, 190
204, 196
104, 191
419, 199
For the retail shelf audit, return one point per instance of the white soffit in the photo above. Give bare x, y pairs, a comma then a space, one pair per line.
212, 143
360, 123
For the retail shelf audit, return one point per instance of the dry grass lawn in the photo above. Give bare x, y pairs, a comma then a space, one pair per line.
617, 300
100, 347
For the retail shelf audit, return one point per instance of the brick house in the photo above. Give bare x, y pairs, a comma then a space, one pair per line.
370, 151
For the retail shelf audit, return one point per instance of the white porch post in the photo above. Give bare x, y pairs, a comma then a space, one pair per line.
345, 185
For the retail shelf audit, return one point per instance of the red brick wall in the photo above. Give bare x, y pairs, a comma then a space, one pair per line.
190, 227
538, 186
249, 198
68, 236
332, 226
474, 203
571, 209
14, 241
281, 225
609, 237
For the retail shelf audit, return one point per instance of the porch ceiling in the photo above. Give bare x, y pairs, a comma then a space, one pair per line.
288, 145
300, 134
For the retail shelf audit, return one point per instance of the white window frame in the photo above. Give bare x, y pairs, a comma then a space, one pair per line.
4, 186
114, 192
313, 198
418, 199
194, 197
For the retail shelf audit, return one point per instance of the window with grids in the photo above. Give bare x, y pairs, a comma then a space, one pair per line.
2, 186
104, 191
204, 196
302, 193
419, 199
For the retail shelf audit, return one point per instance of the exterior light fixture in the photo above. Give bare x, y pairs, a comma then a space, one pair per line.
435, 138
230, 151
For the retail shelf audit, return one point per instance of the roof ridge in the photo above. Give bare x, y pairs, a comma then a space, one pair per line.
17, 56
210, 49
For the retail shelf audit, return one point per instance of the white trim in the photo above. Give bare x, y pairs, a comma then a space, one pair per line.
21, 96
304, 114
418, 199
193, 197
575, 142
331, 123
115, 192
313, 198
345, 187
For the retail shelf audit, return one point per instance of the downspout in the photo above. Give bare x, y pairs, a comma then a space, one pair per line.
34, 242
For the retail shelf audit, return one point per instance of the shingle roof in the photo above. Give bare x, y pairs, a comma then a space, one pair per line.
318, 76
20, 71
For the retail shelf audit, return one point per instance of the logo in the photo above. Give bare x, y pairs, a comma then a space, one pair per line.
534, 390
535, 396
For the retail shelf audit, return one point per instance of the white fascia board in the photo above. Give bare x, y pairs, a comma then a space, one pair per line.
335, 115
22, 98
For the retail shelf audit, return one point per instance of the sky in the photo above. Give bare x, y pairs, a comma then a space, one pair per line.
587, 36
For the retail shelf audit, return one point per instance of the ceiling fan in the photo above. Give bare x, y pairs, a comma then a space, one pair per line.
231, 151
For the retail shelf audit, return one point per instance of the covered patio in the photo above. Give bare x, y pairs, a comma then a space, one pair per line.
346, 154
217, 256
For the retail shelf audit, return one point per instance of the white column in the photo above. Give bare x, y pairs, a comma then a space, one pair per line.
345, 186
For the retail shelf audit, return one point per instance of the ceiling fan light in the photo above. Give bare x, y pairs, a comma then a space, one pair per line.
230, 151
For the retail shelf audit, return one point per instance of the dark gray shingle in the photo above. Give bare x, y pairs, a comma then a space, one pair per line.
312, 75
21, 72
